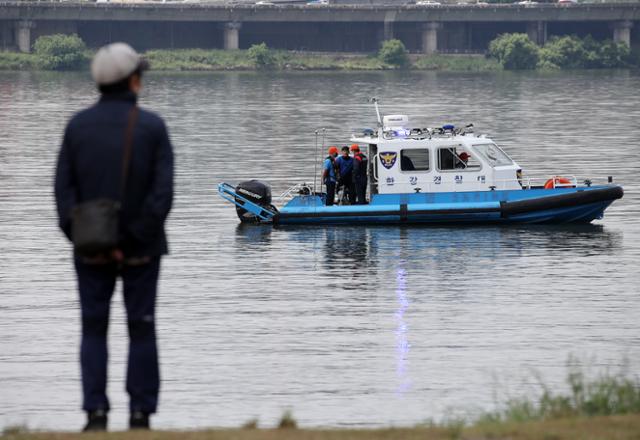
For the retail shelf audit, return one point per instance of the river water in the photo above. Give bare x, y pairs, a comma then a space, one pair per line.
344, 326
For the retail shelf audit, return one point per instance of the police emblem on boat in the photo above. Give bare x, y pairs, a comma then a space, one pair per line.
388, 159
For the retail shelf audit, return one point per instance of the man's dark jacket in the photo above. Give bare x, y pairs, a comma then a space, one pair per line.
90, 166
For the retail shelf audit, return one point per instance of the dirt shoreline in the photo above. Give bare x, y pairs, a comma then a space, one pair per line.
619, 427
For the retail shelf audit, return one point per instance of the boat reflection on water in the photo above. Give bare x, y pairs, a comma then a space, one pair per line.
253, 237
360, 250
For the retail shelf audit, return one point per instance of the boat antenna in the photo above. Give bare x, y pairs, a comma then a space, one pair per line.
323, 149
315, 167
375, 103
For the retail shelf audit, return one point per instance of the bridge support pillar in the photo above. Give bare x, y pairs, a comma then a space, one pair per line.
232, 35
622, 32
388, 31
537, 32
23, 35
7, 35
430, 37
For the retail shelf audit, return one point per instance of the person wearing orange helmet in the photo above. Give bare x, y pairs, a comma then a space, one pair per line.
359, 174
330, 174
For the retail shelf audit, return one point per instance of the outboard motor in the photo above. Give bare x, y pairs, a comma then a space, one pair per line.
256, 192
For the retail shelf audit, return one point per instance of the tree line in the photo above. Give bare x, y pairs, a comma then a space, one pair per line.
511, 51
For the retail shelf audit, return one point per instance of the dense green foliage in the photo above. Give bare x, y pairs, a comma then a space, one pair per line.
508, 51
563, 52
60, 52
571, 52
515, 52
261, 56
394, 53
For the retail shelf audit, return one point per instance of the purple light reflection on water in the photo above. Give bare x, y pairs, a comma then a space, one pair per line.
402, 342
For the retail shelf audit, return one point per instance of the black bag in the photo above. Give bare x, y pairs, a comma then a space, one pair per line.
94, 224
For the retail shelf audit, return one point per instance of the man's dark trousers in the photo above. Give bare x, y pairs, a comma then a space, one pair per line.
331, 193
361, 190
346, 182
96, 283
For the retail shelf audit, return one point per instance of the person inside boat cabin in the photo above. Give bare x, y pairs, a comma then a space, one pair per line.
330, 173
462, 160
359, 174
345, 162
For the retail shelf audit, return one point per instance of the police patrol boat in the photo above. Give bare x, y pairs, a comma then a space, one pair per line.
433, 175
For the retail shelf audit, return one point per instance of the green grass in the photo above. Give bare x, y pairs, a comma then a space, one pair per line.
220, 60
17, 61
198, 59
457, 63
605, 395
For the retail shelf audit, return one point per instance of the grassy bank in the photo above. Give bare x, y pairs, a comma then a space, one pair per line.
607, 407
624, 427
456, 63
221, 60
198, 59
18, 61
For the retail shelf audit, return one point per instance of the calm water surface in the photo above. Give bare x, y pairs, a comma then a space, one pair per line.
363, 326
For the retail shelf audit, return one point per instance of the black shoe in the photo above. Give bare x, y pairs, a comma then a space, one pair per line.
139, 420
96, 421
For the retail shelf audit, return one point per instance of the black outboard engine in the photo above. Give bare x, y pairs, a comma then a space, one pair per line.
256, 192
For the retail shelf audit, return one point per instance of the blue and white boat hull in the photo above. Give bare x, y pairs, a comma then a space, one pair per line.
560, 205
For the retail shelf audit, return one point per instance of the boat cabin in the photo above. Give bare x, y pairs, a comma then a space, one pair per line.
447, 159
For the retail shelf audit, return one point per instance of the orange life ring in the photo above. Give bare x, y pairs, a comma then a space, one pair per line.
551, 183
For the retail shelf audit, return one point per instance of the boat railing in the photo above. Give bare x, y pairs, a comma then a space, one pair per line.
529, 182
564, 181
297, 189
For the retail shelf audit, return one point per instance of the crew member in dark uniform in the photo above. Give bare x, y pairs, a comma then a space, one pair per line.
345, 162
359, 174
90, 168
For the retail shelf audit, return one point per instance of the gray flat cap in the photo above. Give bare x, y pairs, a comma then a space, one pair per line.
115, 62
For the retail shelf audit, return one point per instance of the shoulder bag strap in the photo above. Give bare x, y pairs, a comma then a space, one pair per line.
126, 154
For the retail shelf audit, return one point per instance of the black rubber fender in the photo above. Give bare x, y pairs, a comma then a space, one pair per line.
580, 197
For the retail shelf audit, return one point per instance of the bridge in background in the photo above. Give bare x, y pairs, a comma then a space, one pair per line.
336, 27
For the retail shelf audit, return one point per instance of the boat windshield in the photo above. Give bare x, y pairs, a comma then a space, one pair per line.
493, 154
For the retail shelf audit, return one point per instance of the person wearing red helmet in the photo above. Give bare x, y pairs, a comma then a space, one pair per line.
359, 174
463, 159
330, 173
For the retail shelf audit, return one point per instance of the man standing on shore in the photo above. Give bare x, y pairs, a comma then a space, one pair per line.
116, 152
